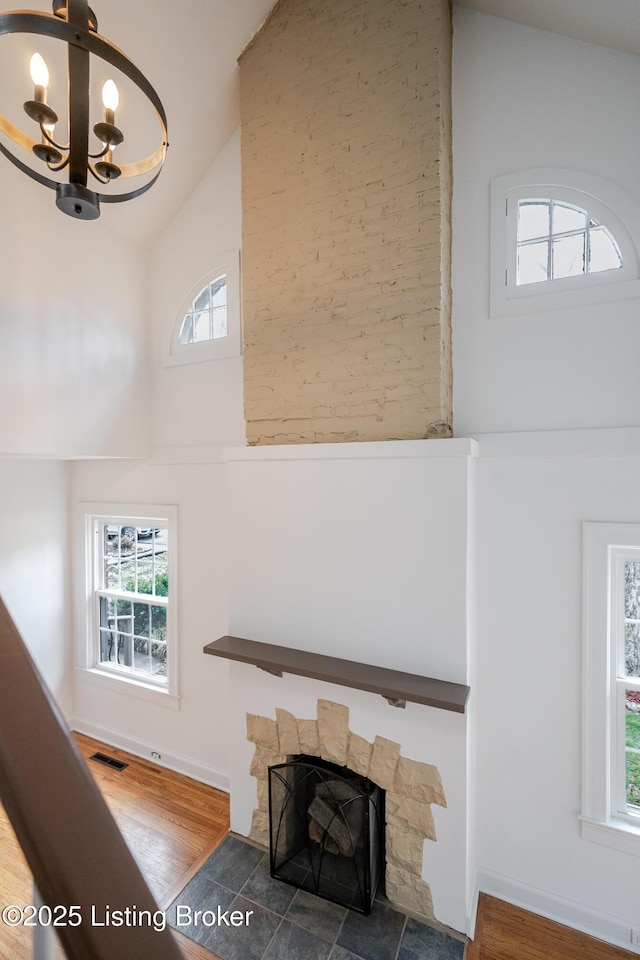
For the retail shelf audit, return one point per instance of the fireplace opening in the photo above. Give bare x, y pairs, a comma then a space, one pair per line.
326, 831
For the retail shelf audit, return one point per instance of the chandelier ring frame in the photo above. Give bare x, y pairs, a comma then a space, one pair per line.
83, 43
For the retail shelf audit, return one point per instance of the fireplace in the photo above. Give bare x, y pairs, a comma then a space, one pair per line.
360, 551
326, 831
410, 789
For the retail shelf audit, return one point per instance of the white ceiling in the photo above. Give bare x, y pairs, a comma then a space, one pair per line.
612, 23
189, 52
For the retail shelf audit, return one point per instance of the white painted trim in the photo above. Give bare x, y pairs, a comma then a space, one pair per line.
617, 210
225, 264
603, 792
618, 834
571, 913
177, 454
374, 450
178, 762
86, 515
598, 442
121, 683
472, 917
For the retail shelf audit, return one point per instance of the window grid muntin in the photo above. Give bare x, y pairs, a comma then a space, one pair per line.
217, 320
149, 600
551, 236
619, 557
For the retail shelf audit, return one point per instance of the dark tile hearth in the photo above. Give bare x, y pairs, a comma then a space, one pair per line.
290, 924
375, 937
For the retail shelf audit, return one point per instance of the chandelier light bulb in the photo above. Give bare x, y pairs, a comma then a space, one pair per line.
39, 71
110, 96
73, 23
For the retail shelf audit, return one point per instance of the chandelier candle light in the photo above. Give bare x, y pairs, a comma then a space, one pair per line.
73, 22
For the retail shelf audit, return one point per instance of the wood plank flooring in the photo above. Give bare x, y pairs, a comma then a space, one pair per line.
505, 932
170, 822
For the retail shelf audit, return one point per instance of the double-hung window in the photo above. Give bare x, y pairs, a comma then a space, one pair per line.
130, 598
611, 787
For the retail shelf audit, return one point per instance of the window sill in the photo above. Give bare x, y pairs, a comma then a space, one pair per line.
130, 687
220, 349
618, 834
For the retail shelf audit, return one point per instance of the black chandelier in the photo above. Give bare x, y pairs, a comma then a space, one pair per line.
73, 22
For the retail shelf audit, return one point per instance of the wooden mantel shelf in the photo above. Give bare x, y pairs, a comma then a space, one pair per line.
393, 685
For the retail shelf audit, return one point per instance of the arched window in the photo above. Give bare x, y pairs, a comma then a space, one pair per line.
207, 323
206, 318
555, 239
558, 240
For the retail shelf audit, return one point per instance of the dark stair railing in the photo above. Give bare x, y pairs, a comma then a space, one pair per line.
72, 844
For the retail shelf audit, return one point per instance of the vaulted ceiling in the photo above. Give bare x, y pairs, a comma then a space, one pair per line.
189, 52
612, 23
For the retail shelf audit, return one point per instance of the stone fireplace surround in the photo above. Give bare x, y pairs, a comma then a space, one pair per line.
411, 787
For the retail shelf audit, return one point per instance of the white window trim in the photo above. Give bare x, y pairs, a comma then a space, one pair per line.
174, 353
601, 819
86, 649
607, 202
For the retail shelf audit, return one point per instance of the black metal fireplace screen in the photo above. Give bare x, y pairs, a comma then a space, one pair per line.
327, 831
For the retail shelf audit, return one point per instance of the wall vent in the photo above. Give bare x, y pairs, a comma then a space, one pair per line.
108, 761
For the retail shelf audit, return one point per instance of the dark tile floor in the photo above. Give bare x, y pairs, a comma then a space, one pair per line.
288, 924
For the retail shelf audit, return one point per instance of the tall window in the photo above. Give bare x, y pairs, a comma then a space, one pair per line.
611, 789
131, 620
626, 576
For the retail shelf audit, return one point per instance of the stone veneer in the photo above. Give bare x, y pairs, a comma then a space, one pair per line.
411, 788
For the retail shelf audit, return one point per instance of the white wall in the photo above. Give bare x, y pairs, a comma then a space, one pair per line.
526, 98
194, 738
529, 687
522, 98
194, 409
353, 550
358, 551
196, 403
73, 365
33, 565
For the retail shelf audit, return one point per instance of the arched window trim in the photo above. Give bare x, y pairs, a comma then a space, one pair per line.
604, 201
226, 264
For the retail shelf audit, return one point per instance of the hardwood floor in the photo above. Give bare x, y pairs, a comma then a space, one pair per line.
171, 824
504, 932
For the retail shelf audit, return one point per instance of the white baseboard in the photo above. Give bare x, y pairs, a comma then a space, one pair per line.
571, 913
140, 748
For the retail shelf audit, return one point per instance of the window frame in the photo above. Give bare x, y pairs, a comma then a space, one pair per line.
174, 353
604, 817
92, 516
551, 237
602, 201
